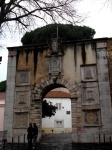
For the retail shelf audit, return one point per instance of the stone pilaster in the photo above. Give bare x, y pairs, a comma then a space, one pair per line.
36, 115
9, 103
104, 87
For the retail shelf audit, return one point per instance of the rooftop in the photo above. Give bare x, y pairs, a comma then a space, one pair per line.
57, 94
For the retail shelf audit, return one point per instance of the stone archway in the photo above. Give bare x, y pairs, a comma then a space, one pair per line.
80, 66
39, 91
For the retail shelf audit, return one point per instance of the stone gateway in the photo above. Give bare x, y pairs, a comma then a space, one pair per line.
83, 67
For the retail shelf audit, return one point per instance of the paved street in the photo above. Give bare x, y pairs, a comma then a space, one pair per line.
58, 142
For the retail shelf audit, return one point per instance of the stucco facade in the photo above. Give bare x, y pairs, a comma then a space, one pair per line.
80, 66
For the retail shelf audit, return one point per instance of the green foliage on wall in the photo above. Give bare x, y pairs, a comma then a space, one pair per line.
67, 32
3, 86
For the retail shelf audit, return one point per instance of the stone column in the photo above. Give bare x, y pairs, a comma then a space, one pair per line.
74, 119
36, 115
104, 86
10, 92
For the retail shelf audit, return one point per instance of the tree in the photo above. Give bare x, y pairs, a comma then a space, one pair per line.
41, 35
3, 86
48, 110
24, 12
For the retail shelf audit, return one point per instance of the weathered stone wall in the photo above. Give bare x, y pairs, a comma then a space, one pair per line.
109, 53
10, 94
81, 67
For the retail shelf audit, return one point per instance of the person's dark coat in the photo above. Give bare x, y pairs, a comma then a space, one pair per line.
29, 130
35, 130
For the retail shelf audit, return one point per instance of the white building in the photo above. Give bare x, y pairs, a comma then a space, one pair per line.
61, 122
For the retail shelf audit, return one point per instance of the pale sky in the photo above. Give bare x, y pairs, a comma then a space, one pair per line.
99, 18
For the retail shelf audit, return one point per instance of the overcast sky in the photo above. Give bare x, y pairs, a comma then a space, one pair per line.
99, 17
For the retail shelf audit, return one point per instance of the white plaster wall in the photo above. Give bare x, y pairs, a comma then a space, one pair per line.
60, 114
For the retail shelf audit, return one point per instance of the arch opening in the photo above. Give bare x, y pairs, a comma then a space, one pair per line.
61, 121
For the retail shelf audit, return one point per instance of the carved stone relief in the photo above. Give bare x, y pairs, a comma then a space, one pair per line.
21, 120
54, 67
23, 77
91, 117
54, 61
55, 46
88, 73
90, 93
22, 98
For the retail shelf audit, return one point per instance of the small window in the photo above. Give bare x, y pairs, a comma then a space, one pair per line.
58, 105
59, 123
67, 112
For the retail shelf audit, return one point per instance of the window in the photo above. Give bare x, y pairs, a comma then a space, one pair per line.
58, 105
67, 112
59, 123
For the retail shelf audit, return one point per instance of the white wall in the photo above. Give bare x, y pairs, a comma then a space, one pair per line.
60, 114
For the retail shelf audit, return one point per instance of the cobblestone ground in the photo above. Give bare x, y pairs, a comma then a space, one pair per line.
58, 142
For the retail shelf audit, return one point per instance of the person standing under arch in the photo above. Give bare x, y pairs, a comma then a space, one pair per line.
35, 135
29, 136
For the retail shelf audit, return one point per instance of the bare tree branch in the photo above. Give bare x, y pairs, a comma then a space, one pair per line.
24, 12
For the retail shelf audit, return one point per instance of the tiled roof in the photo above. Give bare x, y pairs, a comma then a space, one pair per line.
57, 94
51, 94
2, 95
